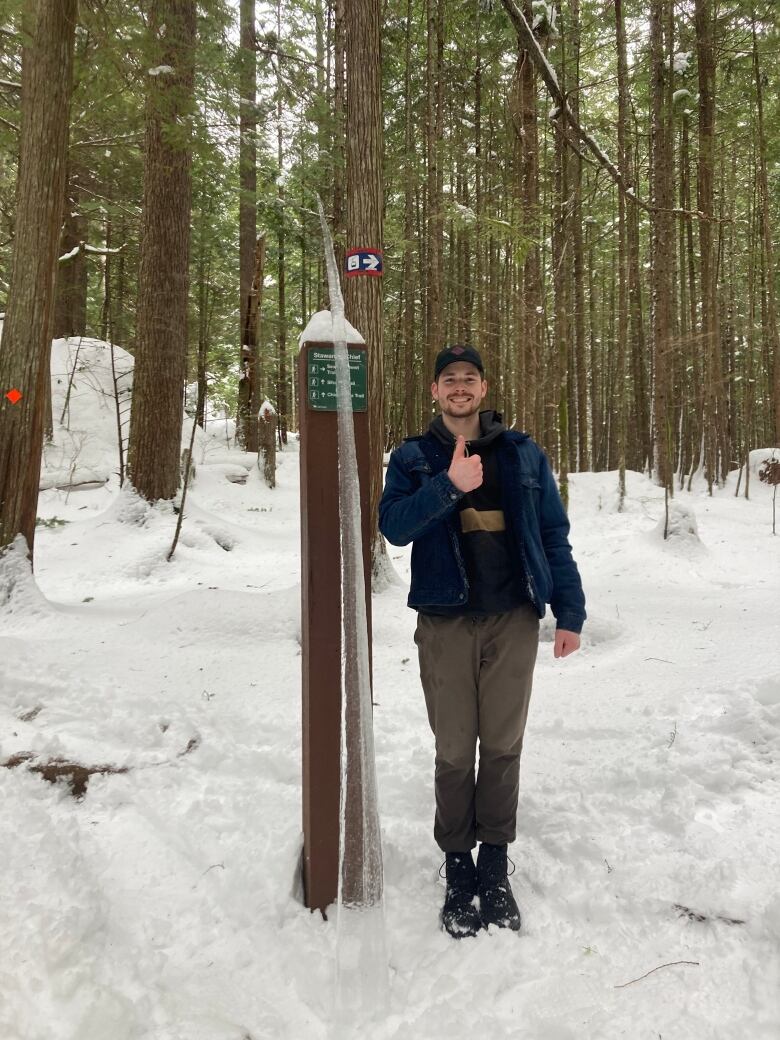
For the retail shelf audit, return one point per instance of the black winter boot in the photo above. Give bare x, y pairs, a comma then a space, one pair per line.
460, 914
496, 901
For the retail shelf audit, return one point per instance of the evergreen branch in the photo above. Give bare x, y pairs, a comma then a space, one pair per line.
530, 44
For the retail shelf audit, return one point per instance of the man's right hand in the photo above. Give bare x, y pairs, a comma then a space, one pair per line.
464, 472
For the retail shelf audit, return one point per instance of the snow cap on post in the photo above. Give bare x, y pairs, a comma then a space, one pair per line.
320, 330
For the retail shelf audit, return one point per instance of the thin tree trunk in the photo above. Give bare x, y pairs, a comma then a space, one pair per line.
435, 228
281, 386
108, 270
662, 236
252, 340
247, 215
623, 323
410, 417
70, 309
771, 333
710, 341
203, 293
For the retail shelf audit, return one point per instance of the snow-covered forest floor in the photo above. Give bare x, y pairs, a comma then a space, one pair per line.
164, 904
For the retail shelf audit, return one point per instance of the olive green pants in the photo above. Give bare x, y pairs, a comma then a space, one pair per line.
477, 674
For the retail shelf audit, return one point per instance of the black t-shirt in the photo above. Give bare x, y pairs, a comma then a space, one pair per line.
495, 576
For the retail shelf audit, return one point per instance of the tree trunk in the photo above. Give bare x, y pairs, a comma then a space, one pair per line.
70, 308
708, 329
623, 323
410, 411
203, 308
254, 308
47, 74
363, 293
282, 398
433, 140
530, 329
163, 279
247, 214
339, 124
771, 334
662, 236
106, 322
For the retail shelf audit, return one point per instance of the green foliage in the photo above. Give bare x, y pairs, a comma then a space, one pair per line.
50, 521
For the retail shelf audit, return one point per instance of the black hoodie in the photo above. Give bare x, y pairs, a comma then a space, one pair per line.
496, 581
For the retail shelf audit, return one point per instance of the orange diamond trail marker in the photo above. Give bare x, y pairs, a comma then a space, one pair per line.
14, 396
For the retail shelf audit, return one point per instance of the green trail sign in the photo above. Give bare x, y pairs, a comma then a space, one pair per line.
321, 379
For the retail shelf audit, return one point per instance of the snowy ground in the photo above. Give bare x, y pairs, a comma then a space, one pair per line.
164, 904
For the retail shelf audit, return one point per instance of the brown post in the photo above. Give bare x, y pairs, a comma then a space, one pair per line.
321, 599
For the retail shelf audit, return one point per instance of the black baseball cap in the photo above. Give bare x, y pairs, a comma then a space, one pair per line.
457, 352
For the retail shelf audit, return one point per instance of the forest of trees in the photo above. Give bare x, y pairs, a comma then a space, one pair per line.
587, 191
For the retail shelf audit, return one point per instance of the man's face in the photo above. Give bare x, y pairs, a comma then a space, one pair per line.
460, 389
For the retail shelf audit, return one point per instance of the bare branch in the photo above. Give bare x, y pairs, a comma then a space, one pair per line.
275, 52
82, 247
98, 141
669, 964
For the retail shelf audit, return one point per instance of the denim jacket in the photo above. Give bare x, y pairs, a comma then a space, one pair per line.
420, 505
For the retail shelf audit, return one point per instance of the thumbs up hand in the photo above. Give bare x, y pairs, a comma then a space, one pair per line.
465, 472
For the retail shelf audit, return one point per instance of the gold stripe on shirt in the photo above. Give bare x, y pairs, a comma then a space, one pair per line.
482, 520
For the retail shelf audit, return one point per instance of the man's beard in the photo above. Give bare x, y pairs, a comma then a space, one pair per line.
460, 411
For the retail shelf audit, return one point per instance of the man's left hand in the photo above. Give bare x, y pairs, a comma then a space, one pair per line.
565, 642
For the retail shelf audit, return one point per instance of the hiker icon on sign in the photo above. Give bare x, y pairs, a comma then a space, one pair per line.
363, 261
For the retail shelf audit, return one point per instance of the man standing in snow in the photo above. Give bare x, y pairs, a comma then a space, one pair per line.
490, 549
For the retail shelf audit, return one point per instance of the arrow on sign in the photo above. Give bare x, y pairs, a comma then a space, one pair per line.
363, 261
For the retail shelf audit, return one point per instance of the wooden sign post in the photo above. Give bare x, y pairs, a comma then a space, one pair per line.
321, 591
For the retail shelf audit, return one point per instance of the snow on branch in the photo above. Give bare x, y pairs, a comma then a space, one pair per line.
83, 247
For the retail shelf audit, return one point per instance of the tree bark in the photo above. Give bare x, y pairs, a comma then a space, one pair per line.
433, 139
410, 411
662, 236
771, 333
254, 309
163, 282
282, 396
708, 329
70, 308
247, 214
363, 293
47, 76
623, 323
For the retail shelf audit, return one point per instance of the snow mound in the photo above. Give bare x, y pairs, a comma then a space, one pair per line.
682, 530
19, 594
767, 691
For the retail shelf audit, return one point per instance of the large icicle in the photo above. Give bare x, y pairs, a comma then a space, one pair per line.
361, 954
